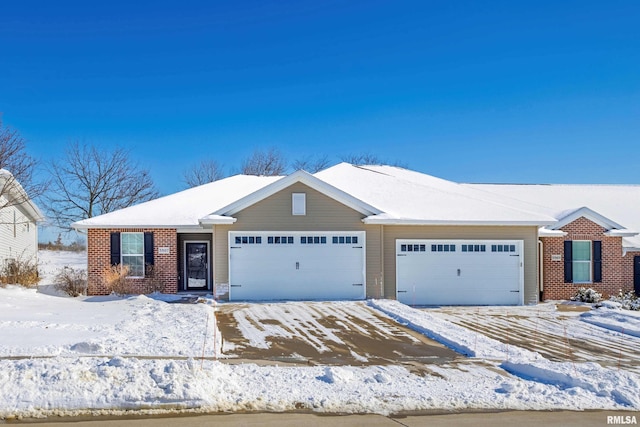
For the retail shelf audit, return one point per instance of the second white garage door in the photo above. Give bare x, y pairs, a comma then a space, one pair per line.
459, 272
296, 265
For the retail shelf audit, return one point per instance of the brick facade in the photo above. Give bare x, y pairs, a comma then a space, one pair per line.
617, 270
99, 260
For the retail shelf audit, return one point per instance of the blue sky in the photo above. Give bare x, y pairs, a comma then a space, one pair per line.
478, 91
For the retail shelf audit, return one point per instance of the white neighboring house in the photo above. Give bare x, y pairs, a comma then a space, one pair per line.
19, 217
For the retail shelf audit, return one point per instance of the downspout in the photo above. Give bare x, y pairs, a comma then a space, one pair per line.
540, 269
382, 296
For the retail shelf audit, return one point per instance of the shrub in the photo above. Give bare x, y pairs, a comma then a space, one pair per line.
155, 280
587, 295
20, 272
115, 279
72, 282
628, 300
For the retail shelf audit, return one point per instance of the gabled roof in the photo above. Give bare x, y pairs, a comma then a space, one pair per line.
409, 197
617, 207
383, 194
17, 196
569, 216
183, 209
222, 215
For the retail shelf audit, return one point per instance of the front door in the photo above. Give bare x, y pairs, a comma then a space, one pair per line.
196, 265
636, 274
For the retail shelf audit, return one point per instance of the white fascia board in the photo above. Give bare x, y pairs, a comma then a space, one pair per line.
17, 192
401, 221
84, 227
307, 179
620, 233
590, 215
627, 249
217, 219
545, 232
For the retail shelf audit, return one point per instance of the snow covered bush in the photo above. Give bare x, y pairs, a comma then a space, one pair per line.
71, 281
20, 272
628, 300
587, 295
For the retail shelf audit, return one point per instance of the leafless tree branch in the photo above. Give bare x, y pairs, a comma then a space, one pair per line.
265, 163
89, 181
203, 173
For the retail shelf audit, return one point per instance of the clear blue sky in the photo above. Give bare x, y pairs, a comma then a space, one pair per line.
474, 91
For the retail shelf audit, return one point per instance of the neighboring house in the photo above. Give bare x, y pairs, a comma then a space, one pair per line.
348, 232
595, 241
19, 216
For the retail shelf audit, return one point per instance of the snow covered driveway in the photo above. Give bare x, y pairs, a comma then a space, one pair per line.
326, 333
557, 335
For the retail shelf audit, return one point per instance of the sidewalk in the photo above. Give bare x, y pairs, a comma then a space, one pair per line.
519, 418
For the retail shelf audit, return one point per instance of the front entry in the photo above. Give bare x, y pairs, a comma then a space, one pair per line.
196, 266
636, 274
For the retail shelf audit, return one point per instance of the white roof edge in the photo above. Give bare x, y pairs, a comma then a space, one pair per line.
81, 227
621, 233
545, 232
305, 178
591, 215
630, 249
217, 219
14, 187
405, 221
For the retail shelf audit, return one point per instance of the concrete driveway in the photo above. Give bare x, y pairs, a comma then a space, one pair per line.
323, 333
556, 334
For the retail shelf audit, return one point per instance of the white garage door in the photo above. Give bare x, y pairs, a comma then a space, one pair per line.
296, 265
459, 272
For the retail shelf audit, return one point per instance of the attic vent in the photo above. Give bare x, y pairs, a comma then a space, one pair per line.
298, 203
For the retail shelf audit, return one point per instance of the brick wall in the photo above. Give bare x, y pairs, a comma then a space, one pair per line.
615, 273
627, 270
99, 259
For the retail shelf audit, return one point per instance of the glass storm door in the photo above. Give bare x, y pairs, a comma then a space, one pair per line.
196, 265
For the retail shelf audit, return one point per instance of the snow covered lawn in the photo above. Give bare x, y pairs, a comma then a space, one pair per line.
109, 355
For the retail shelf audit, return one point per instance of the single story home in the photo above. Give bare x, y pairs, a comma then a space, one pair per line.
19, 217
356, 232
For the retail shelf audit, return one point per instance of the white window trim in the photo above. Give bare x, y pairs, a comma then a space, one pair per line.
298, 204
122, 254
590, 261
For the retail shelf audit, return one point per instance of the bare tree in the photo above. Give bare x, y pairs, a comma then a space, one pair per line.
203, 173
370, 159
20, 167
90, 182
312, 164
265, 163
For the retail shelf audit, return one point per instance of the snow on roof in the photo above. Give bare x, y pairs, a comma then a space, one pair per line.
409, 197
183, 209
11, 188
619, 203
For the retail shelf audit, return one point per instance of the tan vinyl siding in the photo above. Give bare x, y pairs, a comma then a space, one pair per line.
528, 234
322, 214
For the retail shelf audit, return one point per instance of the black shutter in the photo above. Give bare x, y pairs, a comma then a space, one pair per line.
568, 261
148, 248
115, 248
597, 261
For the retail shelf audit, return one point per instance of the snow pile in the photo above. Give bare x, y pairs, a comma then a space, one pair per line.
622, 321
456, 337
582, 378
36, 324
